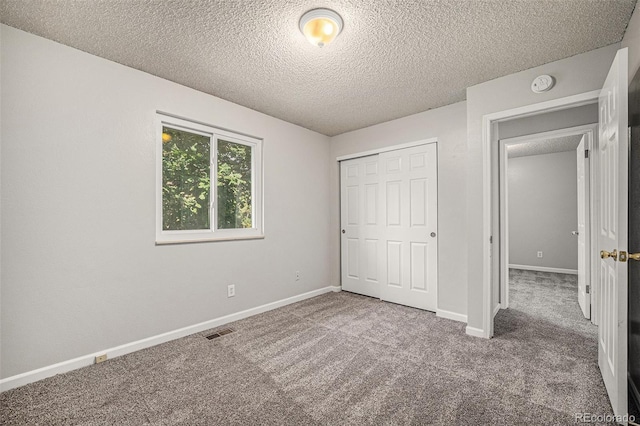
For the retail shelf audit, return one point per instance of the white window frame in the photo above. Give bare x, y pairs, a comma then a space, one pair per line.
213, 233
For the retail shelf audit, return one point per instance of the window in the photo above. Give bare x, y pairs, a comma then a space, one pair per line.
209, 183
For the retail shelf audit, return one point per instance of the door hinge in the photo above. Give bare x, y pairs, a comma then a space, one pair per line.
587, 290
586, 153
491, 239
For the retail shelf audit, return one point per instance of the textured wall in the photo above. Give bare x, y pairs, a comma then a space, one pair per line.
80, 270
543, 210
574, 75
448, 125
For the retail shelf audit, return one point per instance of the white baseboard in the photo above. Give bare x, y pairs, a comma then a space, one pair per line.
496, 310
544, 269
476, 332
451, 315
83, 361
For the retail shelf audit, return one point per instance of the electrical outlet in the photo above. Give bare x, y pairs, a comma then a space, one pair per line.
101, 358
297, 275
539, 254
231, 290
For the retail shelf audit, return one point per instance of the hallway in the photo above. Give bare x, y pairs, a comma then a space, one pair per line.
552, 335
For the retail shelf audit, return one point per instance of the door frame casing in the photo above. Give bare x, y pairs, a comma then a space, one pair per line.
589, 131
489, 122
386, 149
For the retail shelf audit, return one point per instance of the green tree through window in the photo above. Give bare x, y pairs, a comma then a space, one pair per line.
185, 180
209, 183
234, 185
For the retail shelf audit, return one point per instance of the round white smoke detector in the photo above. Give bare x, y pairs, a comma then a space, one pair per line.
543, 83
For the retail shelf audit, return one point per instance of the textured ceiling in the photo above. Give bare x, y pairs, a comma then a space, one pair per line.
393, 58
544, 146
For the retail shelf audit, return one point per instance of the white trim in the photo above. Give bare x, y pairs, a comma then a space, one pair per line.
503, 263
186, 241
204, 123
83, 361
594, 212
567, 131
487, 319
496, 310
547, 106
544, 269
475, 332
387, 149
451, 315
487, 122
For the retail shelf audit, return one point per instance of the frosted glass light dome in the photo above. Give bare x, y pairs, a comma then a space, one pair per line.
320, 26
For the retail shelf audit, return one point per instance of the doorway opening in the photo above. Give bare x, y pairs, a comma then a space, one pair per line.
545, 205
490, 209
612, 170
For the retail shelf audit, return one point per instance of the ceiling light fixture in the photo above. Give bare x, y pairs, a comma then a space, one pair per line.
320, 26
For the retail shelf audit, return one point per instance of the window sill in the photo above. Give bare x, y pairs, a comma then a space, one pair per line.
211, 240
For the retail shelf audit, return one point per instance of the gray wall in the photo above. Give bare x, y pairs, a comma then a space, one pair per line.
574, 75
80, 270
543, 210
562, 119
448, 125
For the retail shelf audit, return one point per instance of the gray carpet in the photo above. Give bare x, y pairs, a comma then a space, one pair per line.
341, 358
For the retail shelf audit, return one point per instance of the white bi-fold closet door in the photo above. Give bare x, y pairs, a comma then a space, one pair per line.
389, 206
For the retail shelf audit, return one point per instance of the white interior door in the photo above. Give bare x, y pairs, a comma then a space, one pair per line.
408, 190
360, 219
612, 239
583, 228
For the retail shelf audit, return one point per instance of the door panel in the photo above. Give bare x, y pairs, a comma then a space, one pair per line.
372, 252
419, 261
394, 263
419, 196
353, 214
353, 251
393, 200
408, 184
613, 155
360, 214
371, 203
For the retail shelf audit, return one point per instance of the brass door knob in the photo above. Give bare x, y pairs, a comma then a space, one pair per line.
634, 256
604, 254
624, 256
